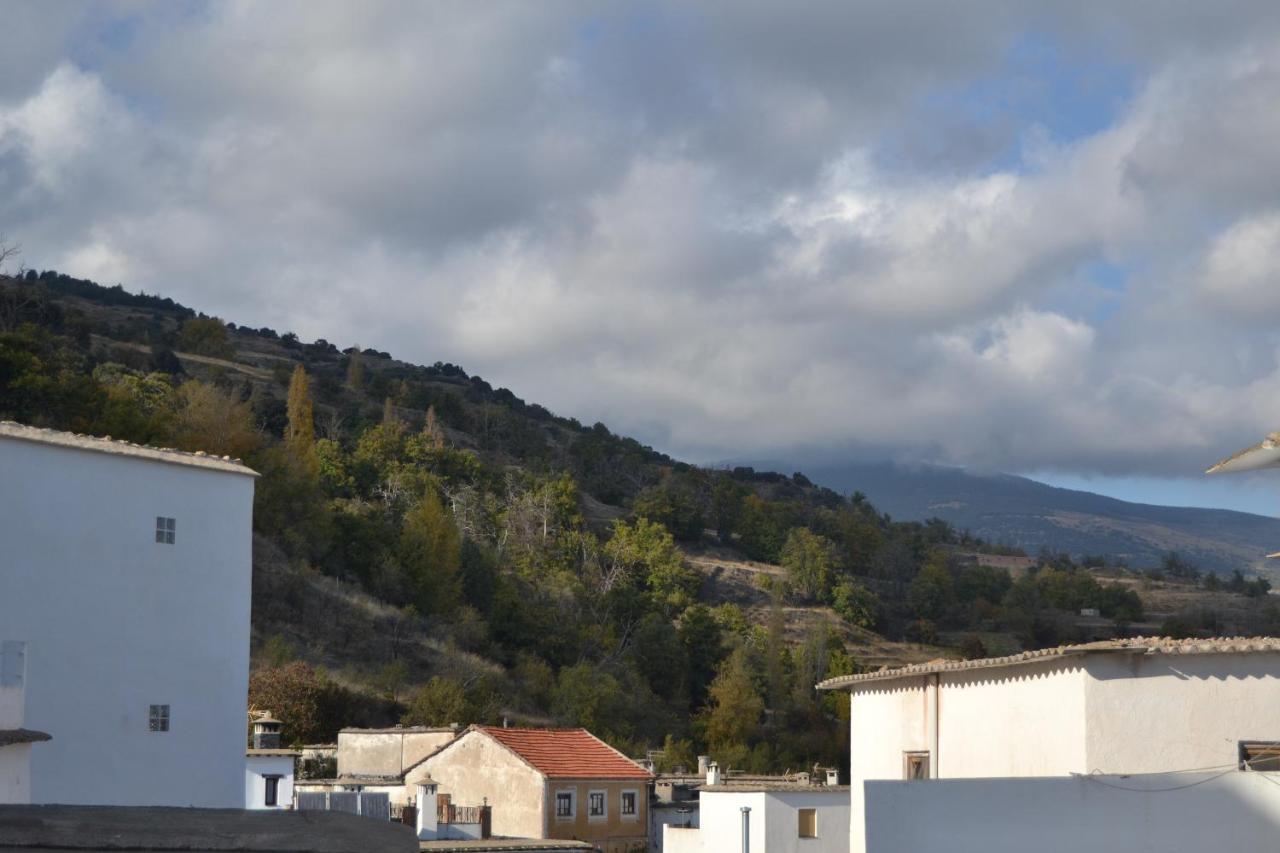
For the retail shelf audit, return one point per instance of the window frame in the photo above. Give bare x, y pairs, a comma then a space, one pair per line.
812, 814
634, 814
572, 795
158, 717
919, 757
1268, 748
603, 796
166, 530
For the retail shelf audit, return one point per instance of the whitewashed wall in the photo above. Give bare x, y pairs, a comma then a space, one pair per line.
1238, 811
1152, 714
255, 785
116, 622
774, 823
387, 752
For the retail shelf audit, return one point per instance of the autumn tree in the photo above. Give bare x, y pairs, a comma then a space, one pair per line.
429, 553
310, 706
732, 717
300, 438
355, 369
809, 560
207, 418
206, 336
439, 702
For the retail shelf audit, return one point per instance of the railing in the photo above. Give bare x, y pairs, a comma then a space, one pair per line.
372, 804
449, 813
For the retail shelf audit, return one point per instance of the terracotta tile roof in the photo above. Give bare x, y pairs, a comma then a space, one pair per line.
1142, 645
22, 432
567, 753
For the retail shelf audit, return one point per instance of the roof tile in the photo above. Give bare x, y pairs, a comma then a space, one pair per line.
567, 753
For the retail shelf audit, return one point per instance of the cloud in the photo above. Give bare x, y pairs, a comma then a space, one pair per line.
731, 229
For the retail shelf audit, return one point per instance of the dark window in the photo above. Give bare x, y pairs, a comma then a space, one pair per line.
272, 793
915, 765
564, 804
1260, 755
595, 804
159, 718
166, 530
628, 803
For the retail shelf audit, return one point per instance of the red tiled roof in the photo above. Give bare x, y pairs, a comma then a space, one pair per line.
567, 753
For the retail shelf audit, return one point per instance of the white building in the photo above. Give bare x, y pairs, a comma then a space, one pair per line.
783, 818
15, 741
269, 769
1085, 715
127, 571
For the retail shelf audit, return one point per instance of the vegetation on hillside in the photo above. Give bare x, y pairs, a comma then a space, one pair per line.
548, 550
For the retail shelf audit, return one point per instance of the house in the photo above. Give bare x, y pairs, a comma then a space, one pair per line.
269, 769
1115, 728
776, 814
388, 752
126, 569
545, 784
15, 741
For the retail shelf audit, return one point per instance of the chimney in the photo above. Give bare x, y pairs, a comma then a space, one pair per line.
713, 773
266, 731
833, 776
702, 764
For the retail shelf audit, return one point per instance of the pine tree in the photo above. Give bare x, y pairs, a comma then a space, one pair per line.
733, 716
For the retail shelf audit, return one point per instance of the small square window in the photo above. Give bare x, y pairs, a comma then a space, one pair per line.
915, 765
166, 530
627, 804
595, 804
564, 805
159, 720
808, 823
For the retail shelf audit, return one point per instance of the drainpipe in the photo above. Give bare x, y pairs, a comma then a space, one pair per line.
932, 688
746, 829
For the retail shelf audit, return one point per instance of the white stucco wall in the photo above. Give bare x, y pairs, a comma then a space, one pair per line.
387, 752
1238, 811
117, 622
15, 774
1157, 713
257, 767
774, 823
477, 769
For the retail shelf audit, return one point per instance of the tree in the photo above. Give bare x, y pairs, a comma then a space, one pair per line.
429, 552
733, 715
207, 418
309, 705
704, 649
931, 591
591, 698
439, 702
646, 551
808, 559
856, 604
300, 437
355, 369
206, 336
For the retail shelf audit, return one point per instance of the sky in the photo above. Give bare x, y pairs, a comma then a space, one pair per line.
1024, 237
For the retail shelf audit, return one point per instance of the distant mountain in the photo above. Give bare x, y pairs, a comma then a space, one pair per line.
1006, 509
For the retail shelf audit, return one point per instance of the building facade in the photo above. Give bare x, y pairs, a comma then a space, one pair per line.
127, 571
545, 784
1119, 708
783, 818
15, 738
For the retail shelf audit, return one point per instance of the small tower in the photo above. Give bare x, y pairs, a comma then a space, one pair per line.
266, 731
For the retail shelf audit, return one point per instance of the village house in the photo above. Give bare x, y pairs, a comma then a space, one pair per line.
269, 769
1134, 744
15, 741
779, 814
127, 572
545, 784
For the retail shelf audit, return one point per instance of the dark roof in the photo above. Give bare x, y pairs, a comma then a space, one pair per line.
566, 753
106, 828
1134, 645
9, 737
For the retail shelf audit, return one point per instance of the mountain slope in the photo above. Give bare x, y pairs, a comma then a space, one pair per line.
1016, 511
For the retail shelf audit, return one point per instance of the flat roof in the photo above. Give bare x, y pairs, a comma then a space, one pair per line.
504, 844
1133, 645
252, 752
10, 737
401, 730
106, 444
762, 787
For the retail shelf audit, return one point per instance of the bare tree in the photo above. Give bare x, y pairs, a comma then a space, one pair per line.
15, 299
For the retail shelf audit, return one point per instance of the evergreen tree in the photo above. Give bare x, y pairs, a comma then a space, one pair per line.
429, 552
733, 716
301, 435
355, 369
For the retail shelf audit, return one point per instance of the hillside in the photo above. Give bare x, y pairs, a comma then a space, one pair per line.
1033, 516
432, 549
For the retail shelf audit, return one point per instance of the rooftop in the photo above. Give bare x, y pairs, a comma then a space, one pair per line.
98, 828
249, 752
503, 844
399, 730
567, 753
1134, 645
759, 787
9, 737
75, 441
